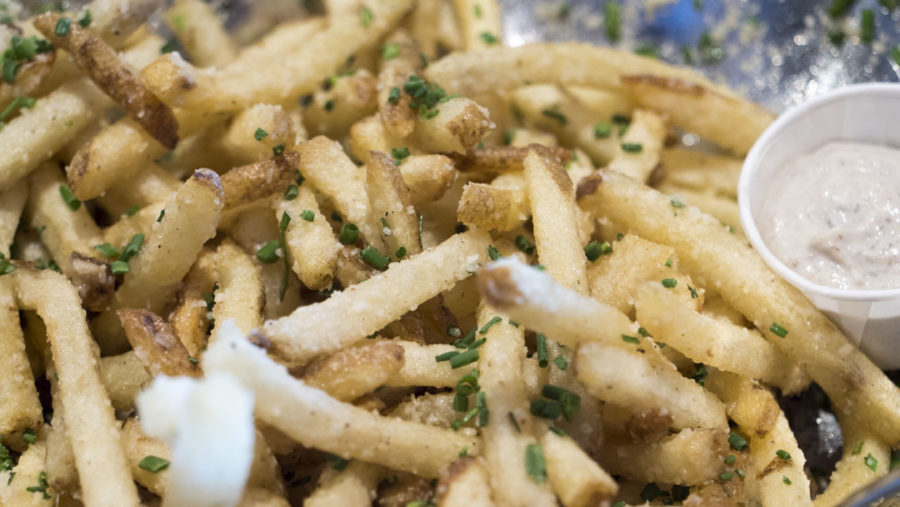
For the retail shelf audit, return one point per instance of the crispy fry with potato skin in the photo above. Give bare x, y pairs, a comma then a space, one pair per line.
102, 64
353, 372
155, 344
248, 183
30, 76
501, 159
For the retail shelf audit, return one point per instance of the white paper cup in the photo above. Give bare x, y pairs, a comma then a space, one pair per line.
863, 113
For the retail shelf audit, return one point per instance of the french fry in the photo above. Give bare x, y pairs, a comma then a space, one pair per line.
35, 136
724, 119
94, 280
311, 243
723, 209
277, 127
350, 373
772, 477
370, 134
713, 256
491, 208
344, 318
124, 377
391, 206
691, 456
501, 159
115, 21
353, 486
156, 345
189, 219
247, 184
479, 23
315, 419
60, 462
239, 297
714, 342
148, 187
621, 377
12, 202
64, 230
137, 447
30, 76
459, 125
499, 69
90, 425
420, 369
510, 431
576, 478
200, 31
431, 409
701, 171
20, 408
552, 198
102, 64
397, 118
637, 153
865, 459
615, 278
464, 483
427, 177
324, 163
348, 100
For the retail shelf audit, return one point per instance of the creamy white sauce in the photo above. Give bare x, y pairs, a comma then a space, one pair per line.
833, 216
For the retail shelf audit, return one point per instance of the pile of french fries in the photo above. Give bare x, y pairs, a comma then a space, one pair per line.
376, 257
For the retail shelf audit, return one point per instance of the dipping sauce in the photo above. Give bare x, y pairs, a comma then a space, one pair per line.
833, 216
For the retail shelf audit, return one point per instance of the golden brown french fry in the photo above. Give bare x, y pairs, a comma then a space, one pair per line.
350, 373
60, 462
713, 342
691, 456
490, 207
200, 31
115, 21
150, 186
701, 171
317, 420
138, 446
123, 376
311, 243
552, 197
354, 486
90, 424
12, 202
511, 428
427, 177
464, 483
277, 127
370, 134
637, 153
723, 209
431, 409
239, 297
400, 60
102, 64
717, 258
156, 345
284, 39
249, 183
865, 459
63, 230
348, 100
20, 408
479, 23
390, 206
29, 78
720, 117
622, 377
191, 316
576, 478
420, 369
189, 219
53, 121
345, 317
459, 125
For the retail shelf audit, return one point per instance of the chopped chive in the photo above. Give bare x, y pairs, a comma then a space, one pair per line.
489, 324
559, 431
493, 253
694, 293
373, 258
62, 27
542, 352
169, 47
278, 150
464, 358
107, 250
669, 262
514, 422
513, 323
394, 95
488, 38
535, 464
602, 130
30, 436
478, 343
867, 26
611, 21
725, 476
477, 11
509, 136
651, 492
308, 215
840, 7
268, 253
162, 213
85, 19
677, 203
785, 480
399, 154
336, 462
366, 16
400, 252
669, 283
730, 459
632, 147
132, 248
556, 115
132, 210
390, 51
291, 192
260, 134
871, 462
524, 245
69, 198
858, 448
737, 442
348, 234
466, 340
631, 339
778, 330
561, 362
483, 412
446, 356
781, 453
154, 464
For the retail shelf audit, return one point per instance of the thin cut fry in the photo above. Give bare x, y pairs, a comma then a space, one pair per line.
201, 32
347, 317
249, 183
464, 484
355, 371
20, 408
355, 486
102, 469
501, 159
687, 457
156, 345
576, 478
12, 202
